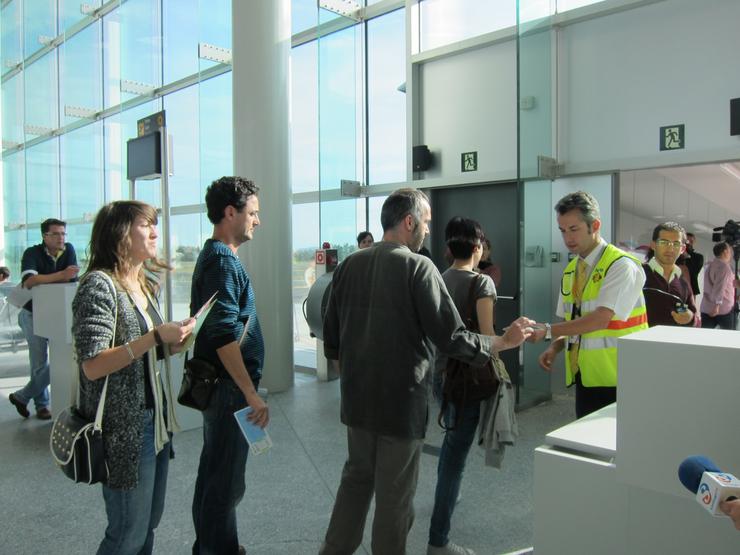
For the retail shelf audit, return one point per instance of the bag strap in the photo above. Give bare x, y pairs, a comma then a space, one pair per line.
101, 403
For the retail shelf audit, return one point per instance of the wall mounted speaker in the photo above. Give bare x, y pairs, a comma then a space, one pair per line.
422, 158
735, 116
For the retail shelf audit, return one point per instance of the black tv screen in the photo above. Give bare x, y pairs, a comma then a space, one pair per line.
144, 157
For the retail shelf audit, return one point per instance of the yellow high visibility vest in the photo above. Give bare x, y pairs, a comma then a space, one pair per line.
597, 355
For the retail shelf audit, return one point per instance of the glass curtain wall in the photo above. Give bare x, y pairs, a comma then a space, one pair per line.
534, 74
74, 85
347, 122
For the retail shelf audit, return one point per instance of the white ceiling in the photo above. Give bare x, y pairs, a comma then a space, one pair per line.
698, 197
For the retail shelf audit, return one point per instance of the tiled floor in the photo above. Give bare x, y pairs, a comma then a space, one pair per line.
290, 490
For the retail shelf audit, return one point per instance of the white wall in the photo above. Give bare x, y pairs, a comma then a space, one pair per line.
624, 76
619, 77
468, 103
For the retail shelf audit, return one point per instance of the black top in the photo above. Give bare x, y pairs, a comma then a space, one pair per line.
694, 262
37, 261
154, 317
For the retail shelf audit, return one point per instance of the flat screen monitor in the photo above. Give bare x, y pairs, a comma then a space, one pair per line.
144, 157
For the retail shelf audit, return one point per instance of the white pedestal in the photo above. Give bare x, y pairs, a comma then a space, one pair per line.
608, 482
52, 318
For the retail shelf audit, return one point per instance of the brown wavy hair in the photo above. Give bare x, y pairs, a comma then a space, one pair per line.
110, 243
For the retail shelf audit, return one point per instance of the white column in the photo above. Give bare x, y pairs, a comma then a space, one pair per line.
261, 49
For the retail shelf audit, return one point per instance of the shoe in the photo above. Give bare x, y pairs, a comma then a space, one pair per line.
20, 407
43, 414
449, 549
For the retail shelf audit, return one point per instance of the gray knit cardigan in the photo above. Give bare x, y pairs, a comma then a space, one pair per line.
93, 319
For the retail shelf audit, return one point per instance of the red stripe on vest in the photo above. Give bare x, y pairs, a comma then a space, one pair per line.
632, 322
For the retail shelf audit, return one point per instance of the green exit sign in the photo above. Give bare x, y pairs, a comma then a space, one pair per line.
672, 137
469, 161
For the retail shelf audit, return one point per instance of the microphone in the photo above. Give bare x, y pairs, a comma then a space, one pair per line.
702, 477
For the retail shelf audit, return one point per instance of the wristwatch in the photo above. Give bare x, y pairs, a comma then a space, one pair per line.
548, 332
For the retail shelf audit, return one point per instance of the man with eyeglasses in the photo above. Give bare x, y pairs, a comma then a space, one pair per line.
51, 261
668, 295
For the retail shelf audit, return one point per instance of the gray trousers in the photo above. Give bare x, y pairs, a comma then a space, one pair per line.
389, 467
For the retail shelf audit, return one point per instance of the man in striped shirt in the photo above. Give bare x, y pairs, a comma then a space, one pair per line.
231, 340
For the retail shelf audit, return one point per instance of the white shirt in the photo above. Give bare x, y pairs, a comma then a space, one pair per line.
675, 272
622, 284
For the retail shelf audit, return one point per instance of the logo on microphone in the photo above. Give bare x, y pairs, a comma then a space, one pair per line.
706, 496
724, 478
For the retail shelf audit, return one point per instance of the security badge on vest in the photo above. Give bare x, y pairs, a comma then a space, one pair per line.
597, 350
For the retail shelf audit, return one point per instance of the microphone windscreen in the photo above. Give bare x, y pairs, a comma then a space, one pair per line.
691, 470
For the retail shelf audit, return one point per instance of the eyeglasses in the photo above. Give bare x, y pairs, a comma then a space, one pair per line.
667, 243
60, 234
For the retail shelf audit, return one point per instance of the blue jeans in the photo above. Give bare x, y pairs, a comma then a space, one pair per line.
220, 484
37, 387
133, 515
455, 448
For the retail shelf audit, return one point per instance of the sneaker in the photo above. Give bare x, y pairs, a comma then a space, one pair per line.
449, 549
20, 407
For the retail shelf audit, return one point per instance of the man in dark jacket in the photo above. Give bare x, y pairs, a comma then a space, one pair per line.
388, 307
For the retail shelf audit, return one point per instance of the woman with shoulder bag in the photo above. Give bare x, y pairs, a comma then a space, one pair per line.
120, 340
464, 239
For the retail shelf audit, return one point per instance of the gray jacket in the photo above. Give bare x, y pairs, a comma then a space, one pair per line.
93, 319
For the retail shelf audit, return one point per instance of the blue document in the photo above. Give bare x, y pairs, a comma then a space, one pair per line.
258, 439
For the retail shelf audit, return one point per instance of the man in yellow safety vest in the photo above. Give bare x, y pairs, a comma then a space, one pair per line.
600, 300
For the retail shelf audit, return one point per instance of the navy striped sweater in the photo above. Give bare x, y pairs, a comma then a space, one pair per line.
219, 269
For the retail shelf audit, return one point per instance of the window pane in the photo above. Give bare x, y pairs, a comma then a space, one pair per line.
305, 218
118, 129
386, 104
42, 180
15, 244
10, 35
112, 59
304, 15
214, 19
186, 240
79, 236
565, 5
82, 172
12, 106
180, 39
70, 12
39, 19
216, 131
184, 184
41, 99
304, 125
140, 44
14, 190
444, 22
373, 223
80, 72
